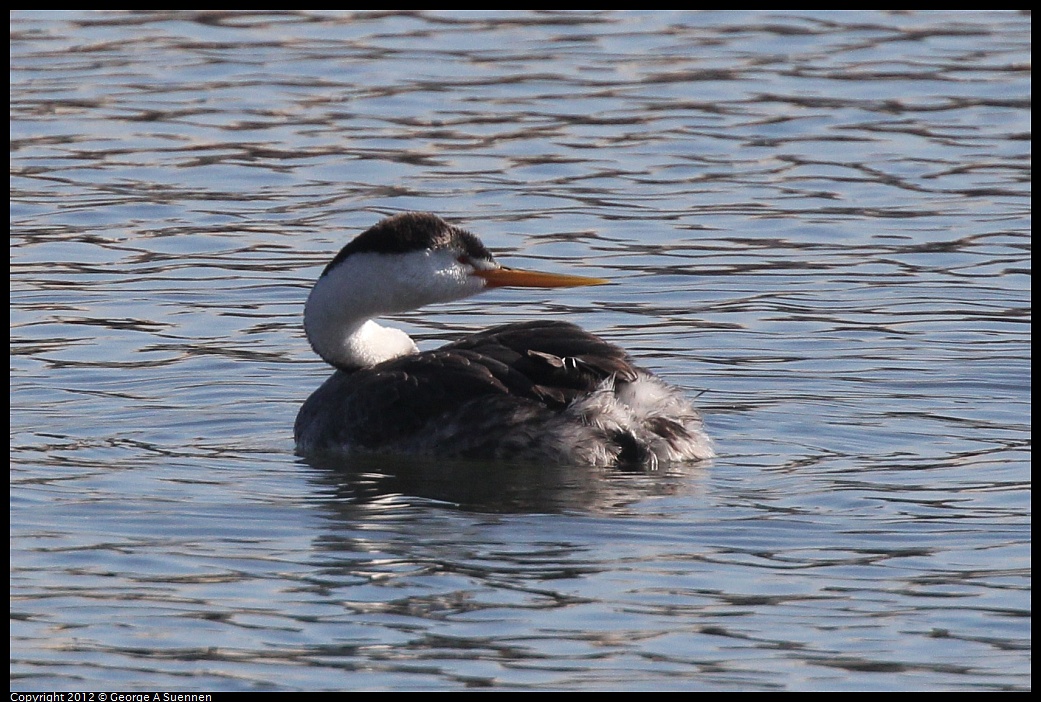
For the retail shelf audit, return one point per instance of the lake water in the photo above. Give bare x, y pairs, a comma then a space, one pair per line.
818, 224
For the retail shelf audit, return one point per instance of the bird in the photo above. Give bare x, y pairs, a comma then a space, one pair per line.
541, 391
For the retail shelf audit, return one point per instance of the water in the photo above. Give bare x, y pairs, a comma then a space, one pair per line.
818, 223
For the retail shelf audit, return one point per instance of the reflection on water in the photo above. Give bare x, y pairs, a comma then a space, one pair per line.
817, 222
507, 488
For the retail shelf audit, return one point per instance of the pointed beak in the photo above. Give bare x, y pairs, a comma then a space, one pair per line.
517, 278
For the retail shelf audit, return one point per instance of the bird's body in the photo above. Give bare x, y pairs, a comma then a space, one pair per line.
532, 391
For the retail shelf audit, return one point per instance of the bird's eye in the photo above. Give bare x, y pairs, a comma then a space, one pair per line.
465, 260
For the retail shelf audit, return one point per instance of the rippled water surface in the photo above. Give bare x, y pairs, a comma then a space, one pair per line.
818, 225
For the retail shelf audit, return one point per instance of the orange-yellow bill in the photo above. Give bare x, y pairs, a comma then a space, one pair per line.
514, 277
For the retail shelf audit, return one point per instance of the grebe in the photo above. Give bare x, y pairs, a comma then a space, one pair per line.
529, 391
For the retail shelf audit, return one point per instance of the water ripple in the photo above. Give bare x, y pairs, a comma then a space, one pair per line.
818, 223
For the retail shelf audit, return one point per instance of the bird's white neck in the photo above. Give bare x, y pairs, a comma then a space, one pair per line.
338, 316
362, 345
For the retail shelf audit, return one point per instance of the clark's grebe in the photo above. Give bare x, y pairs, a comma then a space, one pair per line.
530, 391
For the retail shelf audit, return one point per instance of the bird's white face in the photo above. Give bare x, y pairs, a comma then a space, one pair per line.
373, 284
425, 277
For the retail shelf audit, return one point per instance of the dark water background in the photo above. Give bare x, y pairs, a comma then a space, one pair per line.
819, 221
